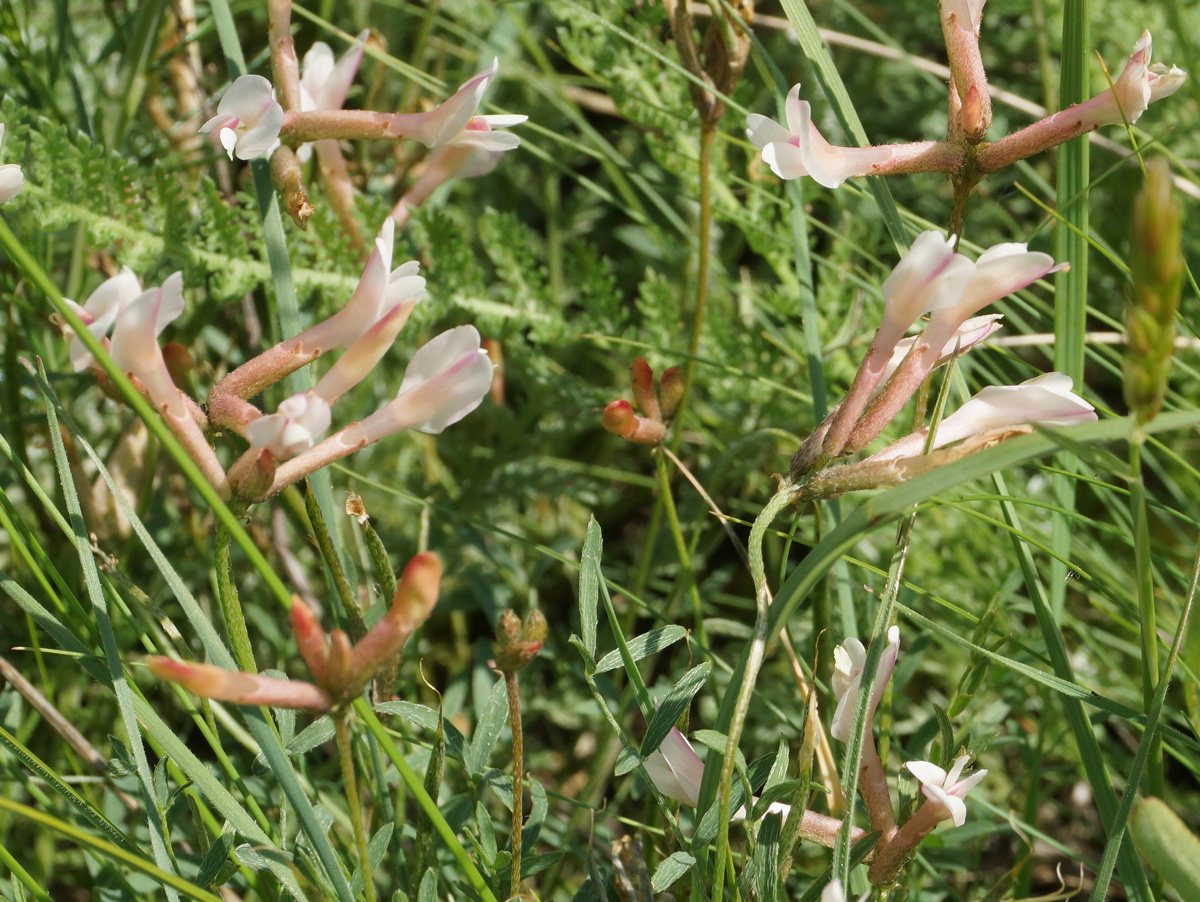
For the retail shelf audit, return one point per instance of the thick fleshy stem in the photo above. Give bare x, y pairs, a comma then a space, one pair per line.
872, 783
368, 125
762, 595
890, 856
518, 779
346, 757
283, 54
845, 416
339, 190
289, 179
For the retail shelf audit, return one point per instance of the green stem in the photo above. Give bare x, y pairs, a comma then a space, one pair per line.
1145, 596
762, 597
707, 132
681, 547
346, 756
231, 606
518, 780
428, 805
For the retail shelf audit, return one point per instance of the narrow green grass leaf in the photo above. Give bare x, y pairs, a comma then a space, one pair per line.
173, 883
112, 655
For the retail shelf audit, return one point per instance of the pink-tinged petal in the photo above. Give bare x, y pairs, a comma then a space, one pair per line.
170, 302
945, 790
262, 137
135, 335
999, 272
241, 688
1046, 400
362, 356
1164, 82
486, 140
295, 427
501, 120
929, 275
114, 294
969, 334
676, 769
12, 180
763, 131
967, 13
337, 85
216, 123
445, 380
314, 73
797, 113
365, 306
247, 98
849, 658
828, 164
452, 116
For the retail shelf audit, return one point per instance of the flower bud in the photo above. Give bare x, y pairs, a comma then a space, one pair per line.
641, 380
415, 598
619, 419
670, 391
518, 643
310, 639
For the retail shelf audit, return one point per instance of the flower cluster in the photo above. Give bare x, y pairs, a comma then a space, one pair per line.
799, 149
340, 669
677, 771
934, 278
445, 380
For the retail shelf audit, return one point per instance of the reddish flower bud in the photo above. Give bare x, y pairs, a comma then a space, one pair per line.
415, 598
670, 391
519, 643
641, 378
310, 639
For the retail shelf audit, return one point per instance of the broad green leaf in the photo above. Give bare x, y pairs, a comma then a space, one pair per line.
589, 587
643, 646
671, 869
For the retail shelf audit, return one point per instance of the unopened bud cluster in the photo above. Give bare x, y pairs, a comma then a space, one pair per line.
657, 406
339, 668
518, 643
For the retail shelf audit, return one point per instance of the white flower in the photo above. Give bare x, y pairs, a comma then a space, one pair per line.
296, 426
445, 380
454, 122
999, 271
848, 661
800, 149
676, 769
929, 276
324, 83
1138, 85
1046, 400
969, 334
945, 790
248, 119
11, 177
135, 342
110, 299
378, 292
832, 892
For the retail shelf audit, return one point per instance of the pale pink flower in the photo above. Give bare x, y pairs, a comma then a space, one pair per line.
1138, 85
135, 346
12, 180
930, 275
800, 149
676, 769
380, 290
248, 119
945, 790
832, 892
451, 161
848, 661
445, 380
454, 122
297, 425
1046, 400
324, 83
110, 299
969, 334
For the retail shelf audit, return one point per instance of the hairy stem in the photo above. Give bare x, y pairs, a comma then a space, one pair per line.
518, 779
